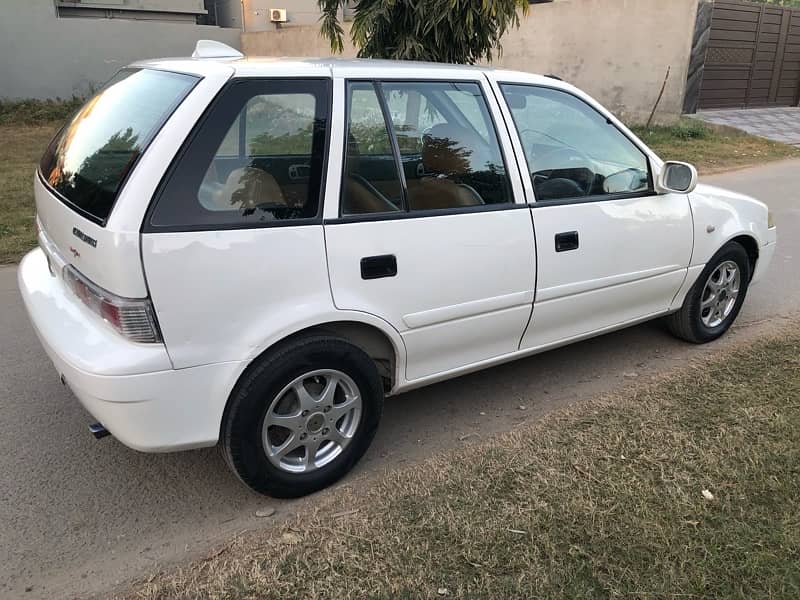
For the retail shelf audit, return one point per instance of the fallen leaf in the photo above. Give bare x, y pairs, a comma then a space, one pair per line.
265, 512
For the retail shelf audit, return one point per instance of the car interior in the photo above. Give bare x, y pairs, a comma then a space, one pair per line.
446, 161
552, 125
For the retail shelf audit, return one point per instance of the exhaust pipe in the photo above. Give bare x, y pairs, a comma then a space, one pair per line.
98, 431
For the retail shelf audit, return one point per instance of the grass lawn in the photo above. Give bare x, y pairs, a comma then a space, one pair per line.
684, 488
26, 127
712, 148
21, 147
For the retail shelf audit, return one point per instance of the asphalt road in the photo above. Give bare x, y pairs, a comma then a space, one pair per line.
78, 516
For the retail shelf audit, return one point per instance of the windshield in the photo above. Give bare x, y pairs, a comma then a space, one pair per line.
89, 159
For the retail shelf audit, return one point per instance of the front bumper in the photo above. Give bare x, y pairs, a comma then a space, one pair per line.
129, 387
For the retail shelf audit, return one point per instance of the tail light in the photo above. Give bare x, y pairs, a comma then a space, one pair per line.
133, 318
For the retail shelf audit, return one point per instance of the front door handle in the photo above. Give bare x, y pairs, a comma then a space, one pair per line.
567, 240
375, 267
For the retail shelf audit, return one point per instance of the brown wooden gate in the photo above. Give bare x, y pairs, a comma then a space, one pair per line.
753, 56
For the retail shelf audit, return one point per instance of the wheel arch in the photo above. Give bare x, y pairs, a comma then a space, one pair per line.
746, 240
376, 338
750, 245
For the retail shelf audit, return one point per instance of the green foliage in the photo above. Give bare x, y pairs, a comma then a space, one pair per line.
33, 112
451, 31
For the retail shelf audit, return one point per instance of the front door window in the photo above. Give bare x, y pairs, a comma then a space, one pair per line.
573, 151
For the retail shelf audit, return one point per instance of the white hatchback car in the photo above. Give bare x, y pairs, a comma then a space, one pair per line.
254, 252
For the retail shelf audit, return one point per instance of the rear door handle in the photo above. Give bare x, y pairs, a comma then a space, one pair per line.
567, 240
375, 267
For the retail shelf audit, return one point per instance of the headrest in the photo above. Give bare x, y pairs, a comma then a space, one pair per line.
248, 187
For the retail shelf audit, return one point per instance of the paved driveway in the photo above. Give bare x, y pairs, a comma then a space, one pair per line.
779, 124
78, 515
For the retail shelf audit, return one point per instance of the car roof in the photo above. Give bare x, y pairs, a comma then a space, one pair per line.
271, 66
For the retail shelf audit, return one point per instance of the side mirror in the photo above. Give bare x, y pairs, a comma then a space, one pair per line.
676, 177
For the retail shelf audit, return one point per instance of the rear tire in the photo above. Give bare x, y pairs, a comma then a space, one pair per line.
716, 298
302, 416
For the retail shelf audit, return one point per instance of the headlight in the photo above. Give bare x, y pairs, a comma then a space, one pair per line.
770, 219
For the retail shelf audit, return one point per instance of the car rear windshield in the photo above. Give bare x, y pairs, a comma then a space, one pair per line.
89, 159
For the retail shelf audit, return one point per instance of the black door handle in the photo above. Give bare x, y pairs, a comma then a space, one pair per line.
375, 267
568, 240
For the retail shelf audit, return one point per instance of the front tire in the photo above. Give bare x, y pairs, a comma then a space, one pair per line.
716, 298
302, 416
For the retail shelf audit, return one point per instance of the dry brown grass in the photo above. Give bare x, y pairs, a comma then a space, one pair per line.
21, 147
601, 500
712, 148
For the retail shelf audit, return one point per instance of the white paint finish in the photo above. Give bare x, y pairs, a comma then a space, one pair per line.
637, 245
522, 353
451, 344
692, 273
731, 215
128, 387
443, 263
214, 49
557, 320
579, 287
765, 255
114, 263
462, 297
460, 311
220, 295
73, 334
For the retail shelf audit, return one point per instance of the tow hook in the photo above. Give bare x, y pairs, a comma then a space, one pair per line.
98, 431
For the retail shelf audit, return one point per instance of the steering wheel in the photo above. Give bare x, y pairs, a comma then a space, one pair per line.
564, 159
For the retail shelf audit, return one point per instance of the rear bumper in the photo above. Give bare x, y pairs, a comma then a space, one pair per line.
131, 388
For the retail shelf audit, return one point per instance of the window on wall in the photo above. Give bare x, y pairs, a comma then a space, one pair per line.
257, 158
572, 150
446, 146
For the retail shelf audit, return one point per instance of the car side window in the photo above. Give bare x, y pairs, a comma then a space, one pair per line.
256, 159
371, 182
448, 149
449, 163
573, 151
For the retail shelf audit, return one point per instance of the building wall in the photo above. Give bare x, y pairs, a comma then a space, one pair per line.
256, 13
616, 50
46, 57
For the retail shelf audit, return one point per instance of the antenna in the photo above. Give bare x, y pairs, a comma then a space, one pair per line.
214, 49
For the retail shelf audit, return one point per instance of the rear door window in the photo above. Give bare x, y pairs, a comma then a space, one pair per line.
447, 153
88, 160
257, 159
